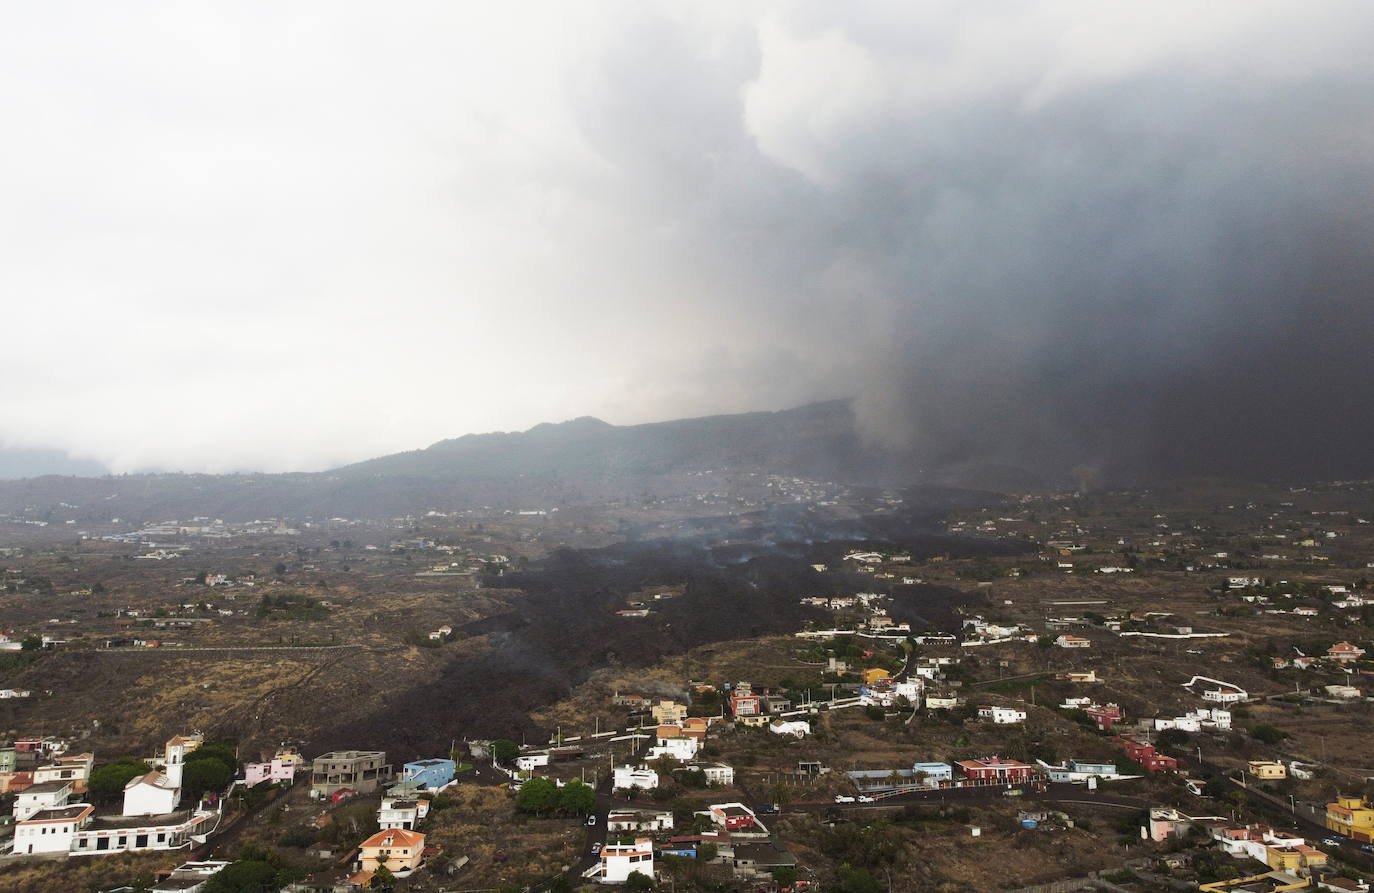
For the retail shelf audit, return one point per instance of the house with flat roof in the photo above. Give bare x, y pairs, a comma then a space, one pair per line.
361, 771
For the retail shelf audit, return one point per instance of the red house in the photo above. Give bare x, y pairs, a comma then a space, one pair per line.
732, 816
744, 702
1145, 755
995, 769
1105, 715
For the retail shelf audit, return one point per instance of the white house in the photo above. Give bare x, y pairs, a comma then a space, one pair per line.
622, 820
1002, 716
1072, 642
151, 794
628, 777
1197, 720
401, 812
531, 761
51, 830
716, 773
194, 874
619, 861
795, 727
38, 797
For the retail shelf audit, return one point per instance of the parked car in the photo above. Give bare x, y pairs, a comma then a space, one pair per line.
596, 848
841, 798
591, 820
864, 798
1367, 847
1332, 841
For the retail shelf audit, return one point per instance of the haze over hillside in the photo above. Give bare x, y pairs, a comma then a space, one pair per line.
576, 462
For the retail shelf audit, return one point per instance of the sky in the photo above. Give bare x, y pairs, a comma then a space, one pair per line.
286, 236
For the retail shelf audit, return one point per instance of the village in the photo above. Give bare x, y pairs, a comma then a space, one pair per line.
1178, 712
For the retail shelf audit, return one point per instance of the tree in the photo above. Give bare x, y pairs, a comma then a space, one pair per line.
204, 775
538, 796
243, 876
577, 797
1267, 734
31, 643
857, 880
784, 877
1171, 738
504, 750
383, 879
108, 781
638, 880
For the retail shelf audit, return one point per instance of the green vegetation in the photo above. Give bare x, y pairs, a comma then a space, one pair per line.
108, 781
255, 870
290, 607
504, 750
541, 796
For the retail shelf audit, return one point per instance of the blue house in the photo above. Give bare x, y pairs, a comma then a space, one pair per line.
429, 773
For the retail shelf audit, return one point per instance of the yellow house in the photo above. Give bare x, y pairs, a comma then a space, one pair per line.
396, 848
873, 675
1294, 857
1267, 769
1280, 883
668, 712
1351, 816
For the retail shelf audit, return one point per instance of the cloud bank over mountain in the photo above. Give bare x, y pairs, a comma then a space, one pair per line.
1127, 237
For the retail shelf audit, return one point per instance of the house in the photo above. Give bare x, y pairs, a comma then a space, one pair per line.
433, 773
273, 771
1267, 769
362, 771
1067, 641
732, 816
1222, 693
621, 820
151, 794
1089, 676
619, 861
668, 712
189, 877
401, 812
1344, 652
1080, 770
760, 860
797, 728
995, 770
932, 773
876, 674
1002, 715
1341, 692
628, 778
51, 830
75, 768
1352, 816
673, 741
1104, 716
441, 633
1304, 662
401, 851
941, 702
744, 702
531, 761
1147, 756
1197, 720
716, 773
38, 797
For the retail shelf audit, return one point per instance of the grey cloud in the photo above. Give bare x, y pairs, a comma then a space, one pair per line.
1058, 234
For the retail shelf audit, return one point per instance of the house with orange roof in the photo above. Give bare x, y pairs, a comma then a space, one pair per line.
1344, 652
401, 851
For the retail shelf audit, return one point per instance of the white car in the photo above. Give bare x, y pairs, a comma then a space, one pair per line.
841, 798
864, 798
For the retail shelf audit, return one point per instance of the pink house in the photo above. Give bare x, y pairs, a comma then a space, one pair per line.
275, 771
